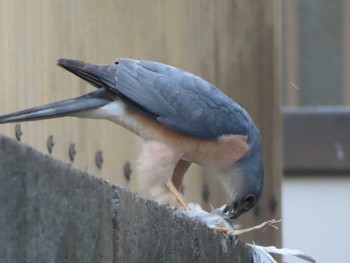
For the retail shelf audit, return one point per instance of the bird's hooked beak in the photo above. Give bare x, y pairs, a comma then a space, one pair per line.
237, 207
231, 211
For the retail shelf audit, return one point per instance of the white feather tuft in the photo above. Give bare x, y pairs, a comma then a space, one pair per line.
261, 254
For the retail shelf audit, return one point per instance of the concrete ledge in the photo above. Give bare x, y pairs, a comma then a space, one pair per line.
51, 212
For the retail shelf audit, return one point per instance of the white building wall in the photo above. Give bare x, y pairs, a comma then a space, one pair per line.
316, 217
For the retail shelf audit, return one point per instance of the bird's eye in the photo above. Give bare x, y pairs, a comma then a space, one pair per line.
249, 201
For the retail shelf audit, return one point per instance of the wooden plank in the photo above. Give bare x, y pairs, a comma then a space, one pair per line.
346, 55
233, 44
314, 140
248, 68
290, 52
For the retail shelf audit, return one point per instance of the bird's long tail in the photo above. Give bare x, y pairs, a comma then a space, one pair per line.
69, 107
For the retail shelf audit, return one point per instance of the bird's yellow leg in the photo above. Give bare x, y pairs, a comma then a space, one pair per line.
178, 196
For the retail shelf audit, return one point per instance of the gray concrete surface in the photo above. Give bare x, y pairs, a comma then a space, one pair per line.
51, 212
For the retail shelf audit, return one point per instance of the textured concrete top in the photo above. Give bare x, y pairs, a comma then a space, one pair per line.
51, 212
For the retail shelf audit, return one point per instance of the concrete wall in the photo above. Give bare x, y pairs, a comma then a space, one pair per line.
51, 212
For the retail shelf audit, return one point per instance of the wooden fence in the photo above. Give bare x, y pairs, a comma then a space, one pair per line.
233, 44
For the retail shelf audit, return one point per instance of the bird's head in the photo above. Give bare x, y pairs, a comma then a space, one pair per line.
244, 183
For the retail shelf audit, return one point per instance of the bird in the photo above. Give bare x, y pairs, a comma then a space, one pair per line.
181, 119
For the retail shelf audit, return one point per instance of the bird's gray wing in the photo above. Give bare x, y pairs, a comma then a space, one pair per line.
180, 100
177, 99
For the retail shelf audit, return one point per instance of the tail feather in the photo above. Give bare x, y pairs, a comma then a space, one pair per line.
97, 75
62, 108
101, 76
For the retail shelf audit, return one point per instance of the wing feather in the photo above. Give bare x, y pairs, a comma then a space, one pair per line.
180, 100
177, 99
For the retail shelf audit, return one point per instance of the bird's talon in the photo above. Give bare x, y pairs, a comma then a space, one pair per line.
222, 229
